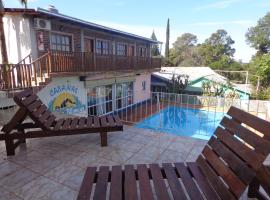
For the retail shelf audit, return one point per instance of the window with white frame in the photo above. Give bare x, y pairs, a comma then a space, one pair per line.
102, 47
121, 49
60, 42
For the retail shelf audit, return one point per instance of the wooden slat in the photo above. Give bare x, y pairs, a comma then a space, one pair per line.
110, 120
159, 184
66, 123
216, 183
236, 164
96, 122
174, 183
144, 183
87, 184
50, 121
250, 120
117, 120
89, 122
234, 183
102, 181
116, 183
44, 116
130, 183
34, 105
40, 111
103, 121
23, 94
29, 99
81, 122
251, 157
74, 123
59, 124
187, 180
260, 144
204, 185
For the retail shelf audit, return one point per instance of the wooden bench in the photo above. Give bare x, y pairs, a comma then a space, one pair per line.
229, 163
16, 130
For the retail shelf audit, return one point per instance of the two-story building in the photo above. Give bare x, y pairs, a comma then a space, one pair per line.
83, 67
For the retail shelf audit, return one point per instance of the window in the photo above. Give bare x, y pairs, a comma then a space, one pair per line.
142, 51
60, 42
143, 85
102, 47
121, 49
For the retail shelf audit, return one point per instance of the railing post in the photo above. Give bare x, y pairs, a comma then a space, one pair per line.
49, 63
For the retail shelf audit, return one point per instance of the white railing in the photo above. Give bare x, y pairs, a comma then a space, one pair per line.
167, 112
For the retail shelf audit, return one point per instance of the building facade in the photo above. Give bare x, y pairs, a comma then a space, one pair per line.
85, 68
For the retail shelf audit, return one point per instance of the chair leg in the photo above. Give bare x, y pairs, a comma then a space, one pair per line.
22, 140
103, 139
253, 190
10, 147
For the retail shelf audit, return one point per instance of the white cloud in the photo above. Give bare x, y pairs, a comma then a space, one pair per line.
234, 22
217, 5
243, 51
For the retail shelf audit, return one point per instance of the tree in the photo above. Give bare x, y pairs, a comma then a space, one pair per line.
185, 51
262, 64
178, 83
217, 50
155, 49
258, 36
2, 35
167, 45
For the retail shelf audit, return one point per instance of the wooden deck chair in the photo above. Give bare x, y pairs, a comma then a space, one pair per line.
229, 163
30, 105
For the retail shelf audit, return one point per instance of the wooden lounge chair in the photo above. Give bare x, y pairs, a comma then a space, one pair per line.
227, 165
30, 105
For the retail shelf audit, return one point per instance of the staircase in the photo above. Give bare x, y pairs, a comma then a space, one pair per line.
25, 74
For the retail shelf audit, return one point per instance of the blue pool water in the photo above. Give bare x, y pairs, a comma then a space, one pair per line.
183, 121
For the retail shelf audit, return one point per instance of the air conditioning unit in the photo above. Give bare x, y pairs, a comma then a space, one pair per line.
42, 24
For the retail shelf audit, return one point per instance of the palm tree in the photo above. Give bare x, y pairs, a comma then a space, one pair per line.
2, 35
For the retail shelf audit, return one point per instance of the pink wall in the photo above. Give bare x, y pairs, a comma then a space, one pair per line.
139, 93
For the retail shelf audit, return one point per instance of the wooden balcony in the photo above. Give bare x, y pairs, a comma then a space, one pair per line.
35, 73
90, 62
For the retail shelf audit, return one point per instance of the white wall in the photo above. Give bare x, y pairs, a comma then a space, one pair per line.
60, 89
20, 37
141, 95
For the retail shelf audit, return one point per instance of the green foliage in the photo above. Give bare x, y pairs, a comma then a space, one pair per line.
185, 52
154, 49
178, 83
167, 45
258, 36
217, 50
264, 94
262, 65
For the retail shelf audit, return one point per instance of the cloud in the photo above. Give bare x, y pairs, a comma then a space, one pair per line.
233, 22
217, 5
243, 51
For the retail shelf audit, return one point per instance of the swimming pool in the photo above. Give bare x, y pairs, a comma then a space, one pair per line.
183, 121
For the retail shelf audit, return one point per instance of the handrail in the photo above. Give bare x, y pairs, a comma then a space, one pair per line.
29, 55
39, 58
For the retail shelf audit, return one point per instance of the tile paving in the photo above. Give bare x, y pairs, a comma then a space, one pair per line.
53, 168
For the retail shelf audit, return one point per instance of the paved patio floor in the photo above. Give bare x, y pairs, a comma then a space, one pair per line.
53, 168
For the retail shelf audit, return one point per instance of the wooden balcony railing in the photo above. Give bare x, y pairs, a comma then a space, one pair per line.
22, 75
90, 62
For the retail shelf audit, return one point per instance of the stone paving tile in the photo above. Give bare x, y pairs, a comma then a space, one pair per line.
53, 168
44, 188
6, 195
67, 174
18, 178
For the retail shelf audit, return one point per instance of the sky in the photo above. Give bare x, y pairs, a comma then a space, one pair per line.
199, 17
